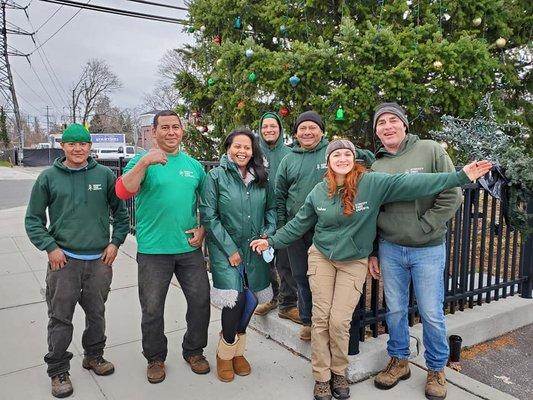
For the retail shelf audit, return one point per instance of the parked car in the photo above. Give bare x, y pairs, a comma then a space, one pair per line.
105, 154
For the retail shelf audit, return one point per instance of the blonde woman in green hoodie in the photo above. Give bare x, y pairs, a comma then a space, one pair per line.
344, 209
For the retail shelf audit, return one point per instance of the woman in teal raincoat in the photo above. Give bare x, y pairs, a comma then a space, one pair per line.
237, 206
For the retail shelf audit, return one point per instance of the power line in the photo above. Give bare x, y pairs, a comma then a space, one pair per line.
117, 11
29, 87
42, 85
151, 3
48, 19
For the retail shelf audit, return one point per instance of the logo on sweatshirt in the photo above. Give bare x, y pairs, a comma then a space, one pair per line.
94, 186
320, 209
321, 166
414, 170
361, 206
186, 174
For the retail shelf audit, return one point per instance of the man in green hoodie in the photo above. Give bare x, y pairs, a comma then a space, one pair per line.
274, 150
79, 195
412, 247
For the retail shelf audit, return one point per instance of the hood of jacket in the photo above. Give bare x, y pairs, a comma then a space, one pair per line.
279, 142
407, 144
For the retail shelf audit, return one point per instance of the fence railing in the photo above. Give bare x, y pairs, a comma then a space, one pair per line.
485, 260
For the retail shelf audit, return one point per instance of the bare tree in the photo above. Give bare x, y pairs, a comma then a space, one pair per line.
96, 80
163, 97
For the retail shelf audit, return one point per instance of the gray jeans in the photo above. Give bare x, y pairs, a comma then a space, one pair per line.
88, 283
155, 273
285, 292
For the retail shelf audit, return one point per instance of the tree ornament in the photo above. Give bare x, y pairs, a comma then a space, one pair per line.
252, 77
501, 42
195, 114
284, 111
202, 28
476, 21
241, 104
294, 80
437, 64
283, 29
219, 61
339, 114
249, 53
237, 23
275, 40
190, 29
210, 82
217, 39
205, 129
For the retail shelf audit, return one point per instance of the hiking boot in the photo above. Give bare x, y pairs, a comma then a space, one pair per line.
61, 385
290, 313
322, 391
265, 308
436, 386
339, 387
199, 364
395, 370
305, 333
99, 365
156, 371
241, 366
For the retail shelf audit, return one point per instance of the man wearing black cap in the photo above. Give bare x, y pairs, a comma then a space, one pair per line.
274, 149
298, 173
413, 231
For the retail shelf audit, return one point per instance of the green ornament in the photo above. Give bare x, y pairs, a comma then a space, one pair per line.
339, 115
210, 82
190, 29
252, 77
237, 23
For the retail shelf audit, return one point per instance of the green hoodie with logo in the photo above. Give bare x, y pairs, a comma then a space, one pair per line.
420, 222
78, 203
275, 154
345, 238
298, 174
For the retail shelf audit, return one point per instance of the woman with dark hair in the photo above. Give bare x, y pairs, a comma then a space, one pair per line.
344, 210
237, 206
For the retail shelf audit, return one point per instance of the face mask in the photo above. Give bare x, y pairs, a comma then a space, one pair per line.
268, 254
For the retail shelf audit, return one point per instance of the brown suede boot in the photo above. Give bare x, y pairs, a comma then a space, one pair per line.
396, 370
225, 354
61, 385
199, 364
290, 313
241, 366
436, 386
99, 365
155, 372
265, 308
305, 333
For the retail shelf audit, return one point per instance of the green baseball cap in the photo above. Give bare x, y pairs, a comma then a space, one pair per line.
76, 133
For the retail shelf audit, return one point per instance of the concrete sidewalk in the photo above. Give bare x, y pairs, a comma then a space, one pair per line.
277, 372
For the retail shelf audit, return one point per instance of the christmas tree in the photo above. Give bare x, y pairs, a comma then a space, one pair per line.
342, 58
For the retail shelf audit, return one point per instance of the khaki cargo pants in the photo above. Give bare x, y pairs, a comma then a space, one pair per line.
336, 287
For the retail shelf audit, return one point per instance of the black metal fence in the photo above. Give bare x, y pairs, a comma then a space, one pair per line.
485, 260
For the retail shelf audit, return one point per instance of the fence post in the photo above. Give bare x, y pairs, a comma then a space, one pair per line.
526, 269
120, 166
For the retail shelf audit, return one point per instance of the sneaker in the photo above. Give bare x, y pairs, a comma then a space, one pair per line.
155, 372
396, 370
305, 333
199, 364
436, 386
339, 387
322, 391
265, 308
99, 365
290, 313
61, 385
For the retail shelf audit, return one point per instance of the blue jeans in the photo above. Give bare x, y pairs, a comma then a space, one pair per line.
425, 267
298, 253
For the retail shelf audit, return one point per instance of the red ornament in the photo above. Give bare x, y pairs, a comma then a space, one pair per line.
241, 104
217, 39
205, 129
284, 111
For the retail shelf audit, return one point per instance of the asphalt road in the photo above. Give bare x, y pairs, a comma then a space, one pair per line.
14, 193
505, 363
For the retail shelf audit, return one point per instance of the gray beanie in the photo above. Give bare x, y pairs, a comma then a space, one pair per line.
340, 144
309, 116
393, 108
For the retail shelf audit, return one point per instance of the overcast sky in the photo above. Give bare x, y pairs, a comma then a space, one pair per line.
132, 47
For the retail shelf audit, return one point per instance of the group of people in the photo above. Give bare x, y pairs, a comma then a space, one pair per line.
293, 227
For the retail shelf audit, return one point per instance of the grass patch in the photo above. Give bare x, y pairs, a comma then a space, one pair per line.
5, 164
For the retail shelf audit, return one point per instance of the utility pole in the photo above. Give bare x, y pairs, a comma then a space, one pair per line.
7, 88
47, 121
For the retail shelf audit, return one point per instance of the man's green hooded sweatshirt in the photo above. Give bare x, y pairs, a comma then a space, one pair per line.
344, 238
275, 154
420, 222
79, 203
